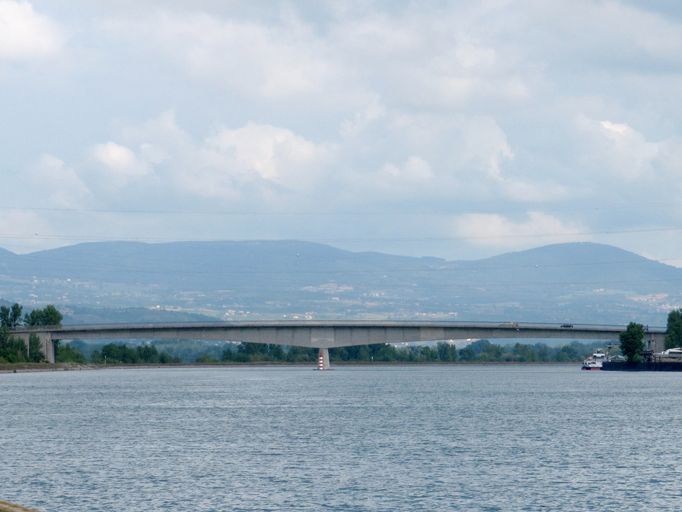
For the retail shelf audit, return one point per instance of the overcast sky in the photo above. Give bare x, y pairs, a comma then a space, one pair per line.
454, 129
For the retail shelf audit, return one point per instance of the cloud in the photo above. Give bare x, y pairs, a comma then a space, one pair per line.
409, 57
118, 165
273, 61
119, 159
432, 108
539, 192
498, 231
273, 154
467, 145
397, 181
373, 112
58, 184
619, 150
26, 34
415, 170
248, 163
24, 230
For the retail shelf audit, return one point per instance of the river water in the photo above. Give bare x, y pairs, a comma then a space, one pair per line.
366, 439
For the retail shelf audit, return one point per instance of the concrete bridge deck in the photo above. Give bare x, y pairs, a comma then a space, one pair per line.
325, 334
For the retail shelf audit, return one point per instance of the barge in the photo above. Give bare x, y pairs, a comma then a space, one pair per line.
646, 366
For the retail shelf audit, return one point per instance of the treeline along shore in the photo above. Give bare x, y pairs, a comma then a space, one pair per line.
181, 352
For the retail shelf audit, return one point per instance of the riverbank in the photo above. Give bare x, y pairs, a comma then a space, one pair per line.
44, 367
6, 506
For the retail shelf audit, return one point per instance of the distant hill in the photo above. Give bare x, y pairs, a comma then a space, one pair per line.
117, 281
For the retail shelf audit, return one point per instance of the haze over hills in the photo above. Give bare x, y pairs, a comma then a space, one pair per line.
127, 281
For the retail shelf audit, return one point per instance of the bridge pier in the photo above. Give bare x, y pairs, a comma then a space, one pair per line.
323, 359
46, 343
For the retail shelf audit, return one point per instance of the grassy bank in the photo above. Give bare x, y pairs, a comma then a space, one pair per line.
5, 506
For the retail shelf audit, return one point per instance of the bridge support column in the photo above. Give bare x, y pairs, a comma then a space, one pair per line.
323, 359
46, 344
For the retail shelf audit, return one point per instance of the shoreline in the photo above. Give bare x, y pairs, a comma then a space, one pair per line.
43, 367
6, 506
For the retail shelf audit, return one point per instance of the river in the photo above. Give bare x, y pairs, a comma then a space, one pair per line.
368, 438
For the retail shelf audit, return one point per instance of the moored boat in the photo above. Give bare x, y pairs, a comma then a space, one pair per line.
671, 353
595, 361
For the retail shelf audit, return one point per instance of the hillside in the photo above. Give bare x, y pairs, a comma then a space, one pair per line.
115, 281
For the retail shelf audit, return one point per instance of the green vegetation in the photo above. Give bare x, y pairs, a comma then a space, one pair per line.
10, 317
115, 353
14, 350
674, 337
479, 351
631, 342
65, 353
162, 352
46, 316
118, 353
256, 353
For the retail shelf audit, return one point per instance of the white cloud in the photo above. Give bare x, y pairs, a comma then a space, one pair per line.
117, 158
446, 107
465, 145
539, 192
249, 163
25, 33
59, 184
374, 111
616, 131
414, 170
393, 182
273, 154
117, 165
670, 158
617, 149
410, 57
498, 231
273, 61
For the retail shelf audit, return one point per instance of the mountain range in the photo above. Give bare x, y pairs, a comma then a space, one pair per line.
185, 281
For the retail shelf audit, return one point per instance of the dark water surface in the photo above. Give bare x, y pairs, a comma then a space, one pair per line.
371, 438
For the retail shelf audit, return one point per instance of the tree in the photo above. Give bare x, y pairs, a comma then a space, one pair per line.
10, 317
12, 350
69, 354
446, 352
49, 315
35, 352
631, 342
674, 337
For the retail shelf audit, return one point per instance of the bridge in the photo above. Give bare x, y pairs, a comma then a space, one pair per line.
326, 334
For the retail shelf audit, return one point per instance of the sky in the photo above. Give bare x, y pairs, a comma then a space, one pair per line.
453, 129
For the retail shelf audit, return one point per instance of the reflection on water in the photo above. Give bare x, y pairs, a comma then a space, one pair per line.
371, 438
